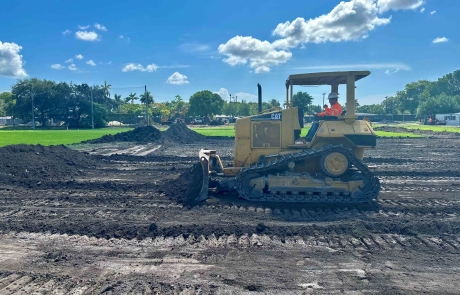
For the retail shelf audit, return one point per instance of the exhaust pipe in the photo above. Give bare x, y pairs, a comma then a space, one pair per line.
259, 96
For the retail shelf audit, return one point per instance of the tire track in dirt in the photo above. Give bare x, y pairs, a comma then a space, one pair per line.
23, 284
332, 241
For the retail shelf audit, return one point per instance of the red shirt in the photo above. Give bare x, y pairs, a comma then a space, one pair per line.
334, 110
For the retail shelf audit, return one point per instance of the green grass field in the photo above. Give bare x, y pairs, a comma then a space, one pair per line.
229, 131
53, 137
434, 128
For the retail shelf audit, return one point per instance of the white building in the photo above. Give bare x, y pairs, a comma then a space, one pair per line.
9, 121
450, 119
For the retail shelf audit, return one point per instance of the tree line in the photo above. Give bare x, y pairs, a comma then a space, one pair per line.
50, 101
422, 98
71, 103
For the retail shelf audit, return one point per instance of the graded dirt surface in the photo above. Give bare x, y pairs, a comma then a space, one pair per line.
115, 229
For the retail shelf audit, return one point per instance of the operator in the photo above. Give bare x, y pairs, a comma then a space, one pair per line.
335, 109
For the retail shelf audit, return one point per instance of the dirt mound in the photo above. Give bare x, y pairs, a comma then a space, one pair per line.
140, 134
186, 187
28, 163
179, 132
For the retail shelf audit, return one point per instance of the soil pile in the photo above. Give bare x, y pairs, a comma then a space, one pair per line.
28, 163
180, 133
186, 187
140, 134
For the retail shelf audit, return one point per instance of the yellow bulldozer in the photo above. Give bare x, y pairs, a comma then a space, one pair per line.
274, 163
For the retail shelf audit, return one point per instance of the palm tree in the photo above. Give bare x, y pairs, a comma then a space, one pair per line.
107, 89
118, 101
131, 97
150, 98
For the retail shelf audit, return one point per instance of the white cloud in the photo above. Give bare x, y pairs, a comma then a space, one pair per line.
110, 62
388, 72
138, 67
260, 54
72, 67
440, 40
177, 79
245, 96
69, 60
125, 38
10, 61
422, 10
100, 27
57, 67
91, 63
194, 47
79, 56
87, 36
348, 21
66, 32
83, 27
385, 5
433, 12
262, 69
224, 93
367, 66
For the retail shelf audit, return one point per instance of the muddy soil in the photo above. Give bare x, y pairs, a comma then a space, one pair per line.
140, 134
116, 229
29, 164
180, 133
176, 133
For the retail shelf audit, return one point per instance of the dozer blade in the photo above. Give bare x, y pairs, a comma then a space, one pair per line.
204, 159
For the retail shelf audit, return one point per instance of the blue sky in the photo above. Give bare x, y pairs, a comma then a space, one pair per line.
180, 47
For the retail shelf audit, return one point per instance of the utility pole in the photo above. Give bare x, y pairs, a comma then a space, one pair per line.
146, 105
323, 98
92, 110
33, 113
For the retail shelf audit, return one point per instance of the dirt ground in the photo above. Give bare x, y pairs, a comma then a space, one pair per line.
109, 226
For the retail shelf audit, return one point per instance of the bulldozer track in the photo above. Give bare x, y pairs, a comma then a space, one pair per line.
141, 209
331, 240
24, 284
369, 191
142, 282
419, 188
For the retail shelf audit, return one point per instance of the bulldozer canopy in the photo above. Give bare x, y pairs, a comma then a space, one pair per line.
325, 78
